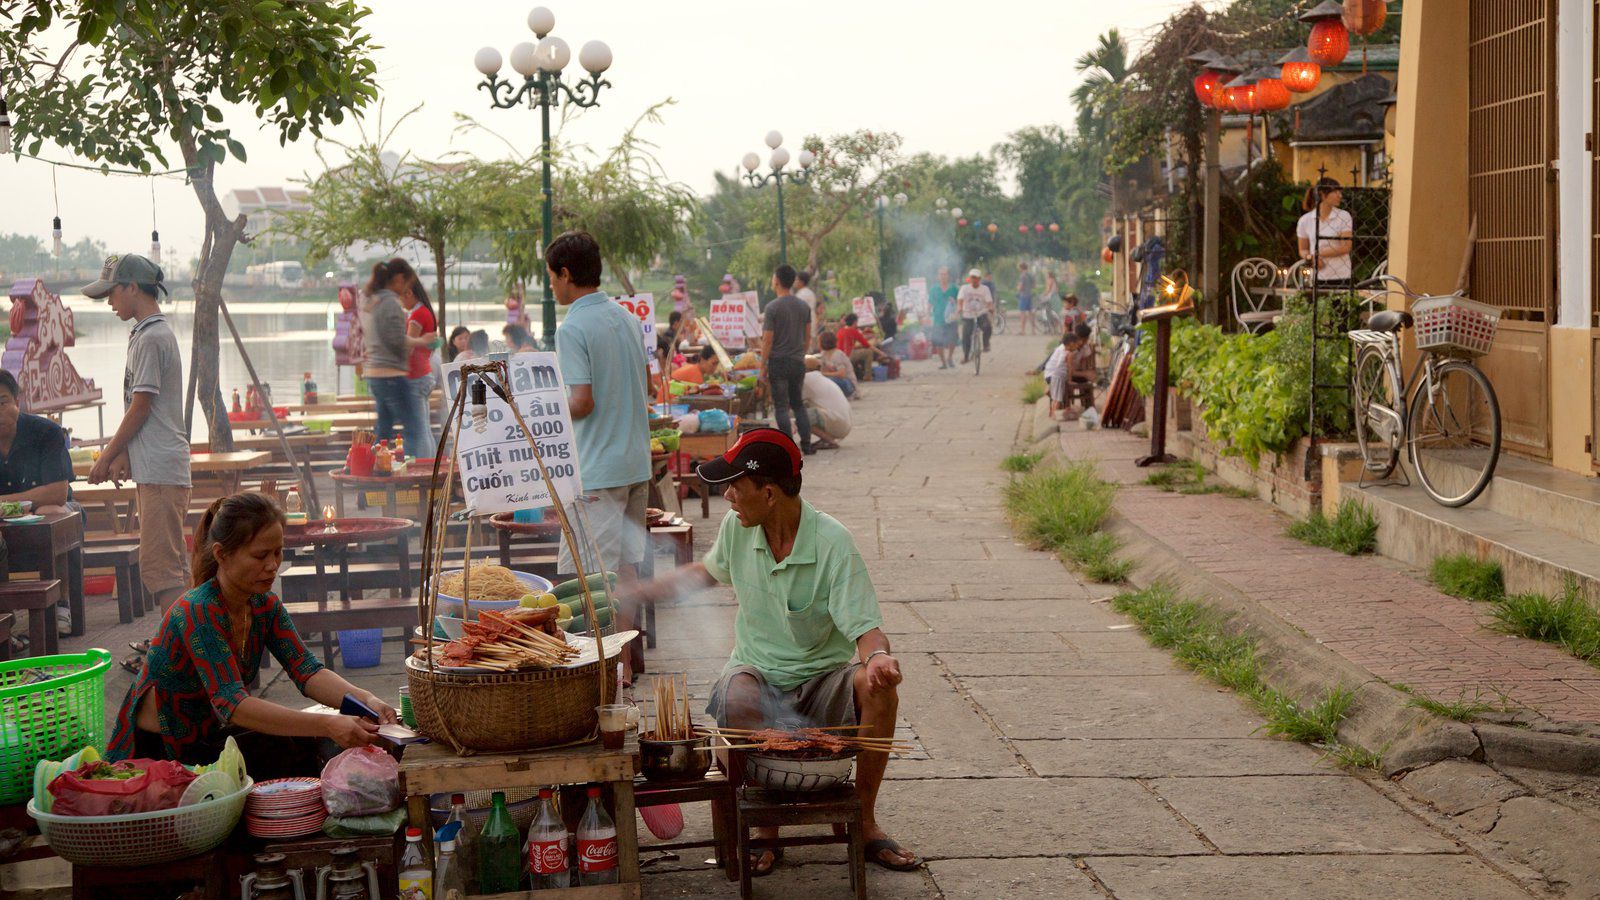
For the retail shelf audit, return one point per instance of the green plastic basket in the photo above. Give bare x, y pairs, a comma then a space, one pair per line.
50, 708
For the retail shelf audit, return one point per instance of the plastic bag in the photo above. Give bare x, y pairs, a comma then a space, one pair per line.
361, 781
113, 789
689, 423
714, 421
360, 826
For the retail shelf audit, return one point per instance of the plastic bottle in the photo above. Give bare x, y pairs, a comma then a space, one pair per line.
499, 851
448, 883
292, 504
466, 842
415, 873
597, 844
546, 851
236, 406
383, 460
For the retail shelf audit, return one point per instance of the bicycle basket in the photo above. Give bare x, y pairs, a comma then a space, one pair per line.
1455, 325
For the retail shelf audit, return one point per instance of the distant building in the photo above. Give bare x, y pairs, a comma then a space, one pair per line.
265, 207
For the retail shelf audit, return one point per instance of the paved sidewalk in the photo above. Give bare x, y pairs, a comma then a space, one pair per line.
1372, 611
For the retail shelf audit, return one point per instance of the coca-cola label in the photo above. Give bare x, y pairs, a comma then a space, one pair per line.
598, 855
547, 857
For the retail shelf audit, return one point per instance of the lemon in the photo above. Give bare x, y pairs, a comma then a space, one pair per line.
563, 611
545, 599
531, 601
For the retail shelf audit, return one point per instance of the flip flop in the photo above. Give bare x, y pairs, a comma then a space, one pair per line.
132, 664
139, 647
755, 863
874, 848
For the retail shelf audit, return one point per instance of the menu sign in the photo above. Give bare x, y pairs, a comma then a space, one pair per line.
644, 306
498, 472
734, 319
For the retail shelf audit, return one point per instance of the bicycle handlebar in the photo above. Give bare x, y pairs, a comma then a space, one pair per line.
1380, 281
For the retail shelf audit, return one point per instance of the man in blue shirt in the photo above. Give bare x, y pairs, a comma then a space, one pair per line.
601, 351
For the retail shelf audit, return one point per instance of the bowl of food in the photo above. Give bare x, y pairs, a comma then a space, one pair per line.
10, 509
492, 586
800, 771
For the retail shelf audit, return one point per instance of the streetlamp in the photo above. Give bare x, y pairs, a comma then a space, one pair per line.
779, 159
882, 204
540, 66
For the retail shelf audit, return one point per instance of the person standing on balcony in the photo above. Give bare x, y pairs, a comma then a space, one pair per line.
1330, 228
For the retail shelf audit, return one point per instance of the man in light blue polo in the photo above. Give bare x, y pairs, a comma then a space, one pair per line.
601, 352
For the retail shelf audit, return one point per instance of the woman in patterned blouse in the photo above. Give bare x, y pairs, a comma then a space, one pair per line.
191, 692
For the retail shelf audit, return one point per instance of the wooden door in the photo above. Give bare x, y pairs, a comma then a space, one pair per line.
1512, 190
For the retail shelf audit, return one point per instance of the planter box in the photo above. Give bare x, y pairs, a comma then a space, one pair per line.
1279, 480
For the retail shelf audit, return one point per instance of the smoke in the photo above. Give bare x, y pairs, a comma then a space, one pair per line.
925, 245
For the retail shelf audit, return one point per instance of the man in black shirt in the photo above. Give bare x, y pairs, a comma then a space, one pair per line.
785, 335
34, 463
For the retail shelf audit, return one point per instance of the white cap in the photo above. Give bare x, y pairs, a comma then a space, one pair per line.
974, 274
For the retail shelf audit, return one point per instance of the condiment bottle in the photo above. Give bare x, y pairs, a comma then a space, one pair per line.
383, 460
448, 883
415, 873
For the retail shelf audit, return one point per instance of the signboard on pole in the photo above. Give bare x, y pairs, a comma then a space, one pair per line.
498, 472
735, 319
644, 306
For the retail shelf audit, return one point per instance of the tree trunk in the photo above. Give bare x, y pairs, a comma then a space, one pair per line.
438, 268
222, 236
622, 277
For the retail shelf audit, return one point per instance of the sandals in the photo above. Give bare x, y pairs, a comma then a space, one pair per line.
140, 647
132, 664
755, 862
875, 848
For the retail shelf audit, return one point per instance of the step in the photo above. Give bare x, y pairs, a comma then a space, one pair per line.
1535, 557
1543, 495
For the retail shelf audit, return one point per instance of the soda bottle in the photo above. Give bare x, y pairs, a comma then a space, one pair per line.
597, 844
448, 883
466, 842
416, 876
236, 406
499, 850
546, 849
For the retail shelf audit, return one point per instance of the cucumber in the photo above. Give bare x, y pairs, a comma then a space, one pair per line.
573, 588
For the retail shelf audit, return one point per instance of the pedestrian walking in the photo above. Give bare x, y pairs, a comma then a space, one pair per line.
946, 313
422, 336
1024, 298
151, 446
976, 301
785, 333
387, 369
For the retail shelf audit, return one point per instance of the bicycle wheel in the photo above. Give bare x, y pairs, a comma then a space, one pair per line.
1000, 321
1376, 405
1455, 433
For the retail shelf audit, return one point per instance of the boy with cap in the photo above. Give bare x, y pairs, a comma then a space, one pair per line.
809, 647
151, 445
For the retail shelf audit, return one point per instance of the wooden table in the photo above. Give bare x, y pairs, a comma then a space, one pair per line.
432, 769
110, 496
229, 467
269, 442
700, 447
53, 547
338, 420
345, 534
418, 480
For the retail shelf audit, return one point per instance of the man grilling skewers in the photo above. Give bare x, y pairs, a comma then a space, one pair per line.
808, 637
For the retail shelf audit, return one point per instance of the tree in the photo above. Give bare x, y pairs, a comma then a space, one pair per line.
1105, 68
379, 196
136, 80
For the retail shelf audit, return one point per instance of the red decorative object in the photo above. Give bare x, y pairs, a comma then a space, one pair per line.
1208, 87
1364, 17
1329, 43
41, 331
962, 222
1301, 77
1038, 229
1106, 255
1271, 95
1054, 227
349, 345
1241, 99
993, 228
1023, 229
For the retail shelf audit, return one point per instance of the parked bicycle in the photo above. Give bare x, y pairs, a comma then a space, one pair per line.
1047, 319
997, 319
1446, 415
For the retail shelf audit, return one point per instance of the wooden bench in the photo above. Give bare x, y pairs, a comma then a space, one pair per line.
132, 600
39, 598
330, 616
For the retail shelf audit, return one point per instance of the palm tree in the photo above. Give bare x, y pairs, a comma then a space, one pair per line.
1107, 68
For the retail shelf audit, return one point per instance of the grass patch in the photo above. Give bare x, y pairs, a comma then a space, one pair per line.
1197, 639
1461, 709
1021, 462
1190, 478
1352, 531
1033, 388
1226, 490
1349, 756
1465, 577
1061, 508
1569, 621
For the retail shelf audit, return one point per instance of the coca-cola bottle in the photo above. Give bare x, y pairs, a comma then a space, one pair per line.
597, 844
546, 849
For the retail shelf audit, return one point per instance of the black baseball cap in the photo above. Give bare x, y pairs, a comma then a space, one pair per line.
761, 451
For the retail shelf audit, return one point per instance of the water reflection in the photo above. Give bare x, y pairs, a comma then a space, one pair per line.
285, 340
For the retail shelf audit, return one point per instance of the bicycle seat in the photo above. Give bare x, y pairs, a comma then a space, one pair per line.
1389, 320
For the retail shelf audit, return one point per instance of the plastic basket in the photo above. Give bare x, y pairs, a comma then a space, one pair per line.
361, 648
50, 708
1455, 325
142, 838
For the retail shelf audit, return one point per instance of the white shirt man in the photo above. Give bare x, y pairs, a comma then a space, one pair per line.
974, 300
827, 405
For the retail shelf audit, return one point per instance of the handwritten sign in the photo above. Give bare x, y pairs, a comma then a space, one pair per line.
918, 303
643, 306
734, 319
864, 310
498, 471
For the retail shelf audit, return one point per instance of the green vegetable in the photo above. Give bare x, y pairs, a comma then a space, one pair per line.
598, 583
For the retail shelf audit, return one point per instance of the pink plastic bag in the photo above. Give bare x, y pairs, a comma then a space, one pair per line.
361, 781
112, 789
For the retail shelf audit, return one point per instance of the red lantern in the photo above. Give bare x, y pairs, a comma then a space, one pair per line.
1363, 17
1054, 227
1241, 99
1106, 255
962, 222
1023, 229
1301, 77
1329, 43
1038, 229
1208, 87
1271, 95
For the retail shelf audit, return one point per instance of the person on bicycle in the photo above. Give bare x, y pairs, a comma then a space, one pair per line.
1024, 297
977, 304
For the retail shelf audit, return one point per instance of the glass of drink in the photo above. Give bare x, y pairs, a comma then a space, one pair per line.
615, 719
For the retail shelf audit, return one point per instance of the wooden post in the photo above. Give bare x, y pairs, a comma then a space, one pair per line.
1158, 416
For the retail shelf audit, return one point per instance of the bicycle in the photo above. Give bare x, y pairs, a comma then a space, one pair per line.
1047, 319
1446, 415
997, 318
977, 347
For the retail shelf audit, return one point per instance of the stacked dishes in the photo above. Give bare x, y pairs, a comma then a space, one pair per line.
285, 808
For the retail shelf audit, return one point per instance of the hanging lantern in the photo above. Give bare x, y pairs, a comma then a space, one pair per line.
1299, 73
1241, 95
1364, 17
962, 222
993, 228
1207, 87
1329, 43
1023, 229
1106, 255
155, 246
55, 235
5, 128
1054, 228
1270, 93
1038, 229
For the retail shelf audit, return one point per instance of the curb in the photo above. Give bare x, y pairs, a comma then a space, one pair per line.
1407, 738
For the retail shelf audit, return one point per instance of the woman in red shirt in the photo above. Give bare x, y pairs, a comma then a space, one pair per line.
422, 334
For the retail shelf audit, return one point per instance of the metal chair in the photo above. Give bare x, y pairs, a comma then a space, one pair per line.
1255, 304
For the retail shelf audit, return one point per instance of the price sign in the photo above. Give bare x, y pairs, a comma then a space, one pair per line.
902, 301
498, 471
864, 310
920, 305
643, 306
734, 319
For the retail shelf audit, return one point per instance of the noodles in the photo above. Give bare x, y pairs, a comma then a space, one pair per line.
489, 582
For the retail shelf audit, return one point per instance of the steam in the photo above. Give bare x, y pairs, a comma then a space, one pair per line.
927, 244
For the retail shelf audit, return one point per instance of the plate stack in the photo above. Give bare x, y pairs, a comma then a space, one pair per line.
285, 808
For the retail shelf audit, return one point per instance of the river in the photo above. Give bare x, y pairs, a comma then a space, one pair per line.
285, 339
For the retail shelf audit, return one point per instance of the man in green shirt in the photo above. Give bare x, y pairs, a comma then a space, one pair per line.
808, 641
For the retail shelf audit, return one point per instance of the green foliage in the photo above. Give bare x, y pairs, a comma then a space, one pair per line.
1569, 621
1021, 462
1061, 508
1190, 478
1352, 757
1469, 578
1462, 709
1352, 531
1314, 724
1032, 389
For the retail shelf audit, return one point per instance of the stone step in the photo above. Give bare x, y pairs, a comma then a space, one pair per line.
1542, 495
1535, 556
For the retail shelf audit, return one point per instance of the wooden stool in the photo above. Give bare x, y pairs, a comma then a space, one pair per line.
124, 559
712, 788
207, 871
39, 598
759, 808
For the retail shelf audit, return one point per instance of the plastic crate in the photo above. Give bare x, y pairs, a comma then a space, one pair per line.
50, 708
1454, 325
361, 648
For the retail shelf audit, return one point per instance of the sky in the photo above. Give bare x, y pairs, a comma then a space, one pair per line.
953, 78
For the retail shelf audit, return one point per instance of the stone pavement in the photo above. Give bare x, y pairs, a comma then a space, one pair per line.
1372, 611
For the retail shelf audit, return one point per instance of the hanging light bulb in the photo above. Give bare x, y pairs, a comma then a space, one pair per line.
5, 128
480, 406
55, 235
155, 246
